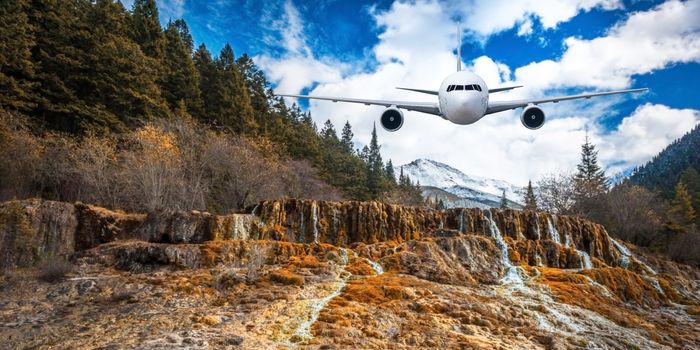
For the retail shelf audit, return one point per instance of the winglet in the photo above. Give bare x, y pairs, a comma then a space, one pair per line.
459, 46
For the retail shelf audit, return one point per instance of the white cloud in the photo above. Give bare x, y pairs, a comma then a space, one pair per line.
644, 134
298, 68
645, 42
415, 49
487, 17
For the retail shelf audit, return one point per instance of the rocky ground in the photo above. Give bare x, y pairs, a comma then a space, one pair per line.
475, 283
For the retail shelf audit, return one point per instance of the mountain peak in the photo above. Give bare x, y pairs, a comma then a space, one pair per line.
470, 190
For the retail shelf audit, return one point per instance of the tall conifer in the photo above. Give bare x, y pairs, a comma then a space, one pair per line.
530, 201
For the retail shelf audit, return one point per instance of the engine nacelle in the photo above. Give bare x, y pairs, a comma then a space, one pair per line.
392, 119
532, 117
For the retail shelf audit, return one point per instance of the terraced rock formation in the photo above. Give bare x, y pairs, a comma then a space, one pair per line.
309, 274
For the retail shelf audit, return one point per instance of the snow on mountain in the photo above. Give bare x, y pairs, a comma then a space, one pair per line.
470, 190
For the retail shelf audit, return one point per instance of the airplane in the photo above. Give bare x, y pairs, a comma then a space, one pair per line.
463, 98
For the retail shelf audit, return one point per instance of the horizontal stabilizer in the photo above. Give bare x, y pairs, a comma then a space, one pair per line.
429, 92
504, 89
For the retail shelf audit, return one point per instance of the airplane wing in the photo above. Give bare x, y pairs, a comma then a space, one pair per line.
499, 106
504, 89
424, 107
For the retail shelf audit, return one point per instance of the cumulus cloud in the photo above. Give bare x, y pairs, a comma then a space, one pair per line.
643, 43
415, 49
487, 17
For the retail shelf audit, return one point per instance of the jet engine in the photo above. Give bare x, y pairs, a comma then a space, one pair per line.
532, 117
392, 119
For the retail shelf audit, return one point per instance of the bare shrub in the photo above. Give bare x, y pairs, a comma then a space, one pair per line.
556, 193
19, 157
685, 247
632, 213
151, 165
301, 180
54, 269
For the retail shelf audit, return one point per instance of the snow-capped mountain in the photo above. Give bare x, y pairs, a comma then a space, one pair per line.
458, 189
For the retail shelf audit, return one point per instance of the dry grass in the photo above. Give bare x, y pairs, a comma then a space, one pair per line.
54, 269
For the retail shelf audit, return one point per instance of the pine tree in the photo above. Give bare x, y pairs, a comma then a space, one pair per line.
682, 206
504, 200
181, 81
236, 109
389, 172
374, 167
691, 179
206, 70
347, 136
590, 183
530, 201
184, 31
257, 86
146, 30
328, 132
16, 66
590, 178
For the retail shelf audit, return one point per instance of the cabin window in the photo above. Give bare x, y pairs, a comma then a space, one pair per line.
459, 87
450, 88
477, 87
468, 87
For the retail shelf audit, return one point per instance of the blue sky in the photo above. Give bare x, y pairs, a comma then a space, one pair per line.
365, 48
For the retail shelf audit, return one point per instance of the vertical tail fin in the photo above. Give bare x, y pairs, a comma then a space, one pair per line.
459, 46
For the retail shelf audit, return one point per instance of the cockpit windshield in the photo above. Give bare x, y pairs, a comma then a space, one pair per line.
472, 87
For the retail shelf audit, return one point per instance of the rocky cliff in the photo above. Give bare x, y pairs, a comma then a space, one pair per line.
295, 273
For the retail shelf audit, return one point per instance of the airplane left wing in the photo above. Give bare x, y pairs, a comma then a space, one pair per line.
424, 107
499, 106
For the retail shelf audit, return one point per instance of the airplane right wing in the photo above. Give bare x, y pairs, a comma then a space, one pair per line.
424, 107
500, 106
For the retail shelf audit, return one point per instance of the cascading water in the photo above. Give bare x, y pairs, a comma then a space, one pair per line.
553, 233
314, 220
537, 227
626, 254
512, 275
255, 208
378, 270
316, 306
461, 221
585, 260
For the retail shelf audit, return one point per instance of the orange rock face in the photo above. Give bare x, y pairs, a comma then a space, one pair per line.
312, 274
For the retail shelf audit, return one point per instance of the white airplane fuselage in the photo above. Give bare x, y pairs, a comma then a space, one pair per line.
463, 104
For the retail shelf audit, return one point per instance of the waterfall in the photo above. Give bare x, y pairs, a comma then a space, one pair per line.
314, 220
511, 275
378, 270
461, 220
255, 208
553, 233
567, 238
625, 259
585, 260
627, 256
537, 226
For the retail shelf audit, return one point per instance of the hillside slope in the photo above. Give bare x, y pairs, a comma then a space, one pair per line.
314, 274
664, 170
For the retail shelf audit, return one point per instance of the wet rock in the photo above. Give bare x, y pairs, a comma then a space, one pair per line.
234, 340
